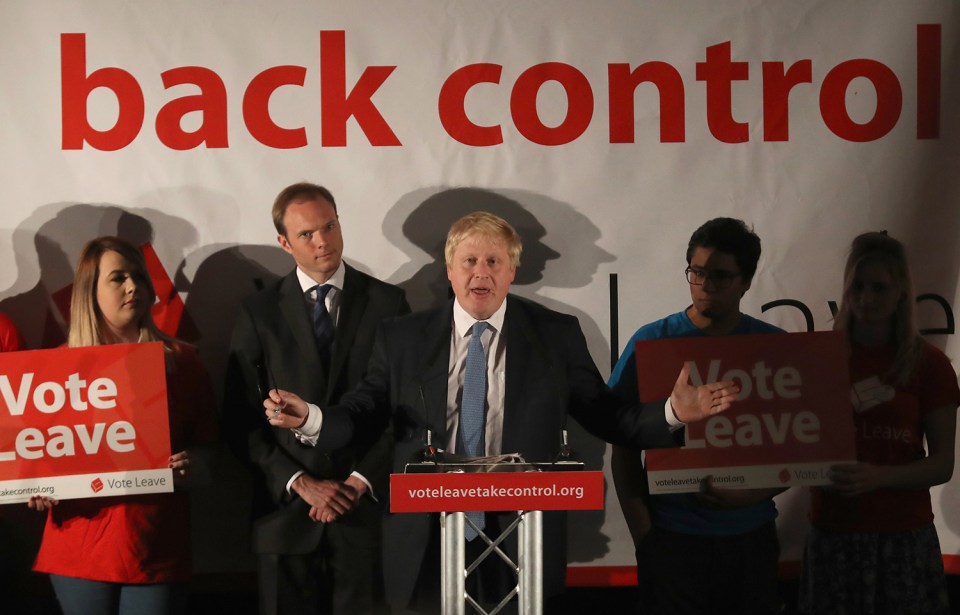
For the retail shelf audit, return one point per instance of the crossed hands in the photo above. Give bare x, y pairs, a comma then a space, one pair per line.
329, 499
695, 403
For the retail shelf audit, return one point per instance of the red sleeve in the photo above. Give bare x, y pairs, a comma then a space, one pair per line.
10, 339
190, 397
938, 381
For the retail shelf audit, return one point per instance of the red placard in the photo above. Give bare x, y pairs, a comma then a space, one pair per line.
84, 422
459, 491
792, 421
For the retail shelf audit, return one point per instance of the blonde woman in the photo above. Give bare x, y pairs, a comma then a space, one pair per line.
127, 554
873, 547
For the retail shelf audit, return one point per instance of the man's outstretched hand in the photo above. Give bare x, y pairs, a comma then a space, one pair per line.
695, 403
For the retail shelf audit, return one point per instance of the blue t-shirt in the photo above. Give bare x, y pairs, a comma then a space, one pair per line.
683, 512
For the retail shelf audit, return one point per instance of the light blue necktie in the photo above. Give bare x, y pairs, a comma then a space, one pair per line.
473, 403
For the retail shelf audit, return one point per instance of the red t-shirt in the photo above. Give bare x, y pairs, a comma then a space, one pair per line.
141, 538
889, 427
10, 340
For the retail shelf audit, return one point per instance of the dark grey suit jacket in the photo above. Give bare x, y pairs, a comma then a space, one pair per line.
273, 346
549, 375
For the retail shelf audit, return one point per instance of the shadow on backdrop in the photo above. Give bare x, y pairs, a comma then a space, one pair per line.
418, 224
225, 274
47, 246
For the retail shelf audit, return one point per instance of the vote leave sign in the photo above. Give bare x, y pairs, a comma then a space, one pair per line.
791, 422
84, 422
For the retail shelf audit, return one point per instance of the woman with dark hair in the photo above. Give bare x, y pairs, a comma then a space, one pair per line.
873, 547
127, 554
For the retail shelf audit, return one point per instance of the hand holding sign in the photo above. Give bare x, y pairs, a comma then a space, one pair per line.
855, 479
179, 463
718, 498
84, 422
41, 503
791, 421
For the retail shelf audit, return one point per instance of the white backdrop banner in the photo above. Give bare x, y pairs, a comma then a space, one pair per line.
605, 131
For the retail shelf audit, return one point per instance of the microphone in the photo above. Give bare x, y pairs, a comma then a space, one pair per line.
429, 452
566, 451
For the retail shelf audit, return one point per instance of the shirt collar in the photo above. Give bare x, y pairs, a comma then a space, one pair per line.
336, 280
462, 321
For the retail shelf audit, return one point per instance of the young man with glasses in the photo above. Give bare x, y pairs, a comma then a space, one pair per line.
716, 551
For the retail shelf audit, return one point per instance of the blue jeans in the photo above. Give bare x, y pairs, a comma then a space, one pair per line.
86, 597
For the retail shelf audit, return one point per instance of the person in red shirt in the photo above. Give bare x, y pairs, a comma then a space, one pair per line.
873, 547
127, 554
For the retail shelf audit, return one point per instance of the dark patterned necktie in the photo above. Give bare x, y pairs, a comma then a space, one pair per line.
322, 323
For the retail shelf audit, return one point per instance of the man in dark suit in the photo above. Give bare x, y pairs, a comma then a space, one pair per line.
538, 370
311, 332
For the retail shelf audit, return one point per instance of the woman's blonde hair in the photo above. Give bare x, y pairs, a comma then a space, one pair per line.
880, 248
86, 319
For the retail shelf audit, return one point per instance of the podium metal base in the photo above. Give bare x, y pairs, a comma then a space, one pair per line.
454, 568
524, 489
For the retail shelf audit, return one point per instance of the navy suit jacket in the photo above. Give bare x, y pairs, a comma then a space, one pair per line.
273, 346
549, 376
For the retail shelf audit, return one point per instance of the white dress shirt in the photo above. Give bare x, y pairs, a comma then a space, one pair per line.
334, 295
495, 347
332, 301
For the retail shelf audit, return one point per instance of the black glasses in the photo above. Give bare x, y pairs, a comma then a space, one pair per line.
719, 278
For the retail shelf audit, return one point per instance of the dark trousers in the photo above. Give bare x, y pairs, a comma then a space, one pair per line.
342, 577
686, 574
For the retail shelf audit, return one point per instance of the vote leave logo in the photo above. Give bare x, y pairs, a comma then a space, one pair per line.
869, 393
75, 411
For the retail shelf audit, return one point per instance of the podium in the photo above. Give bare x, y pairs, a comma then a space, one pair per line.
525, 488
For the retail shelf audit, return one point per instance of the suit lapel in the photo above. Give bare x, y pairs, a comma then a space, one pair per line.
295, 314
527, 362
434, 365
